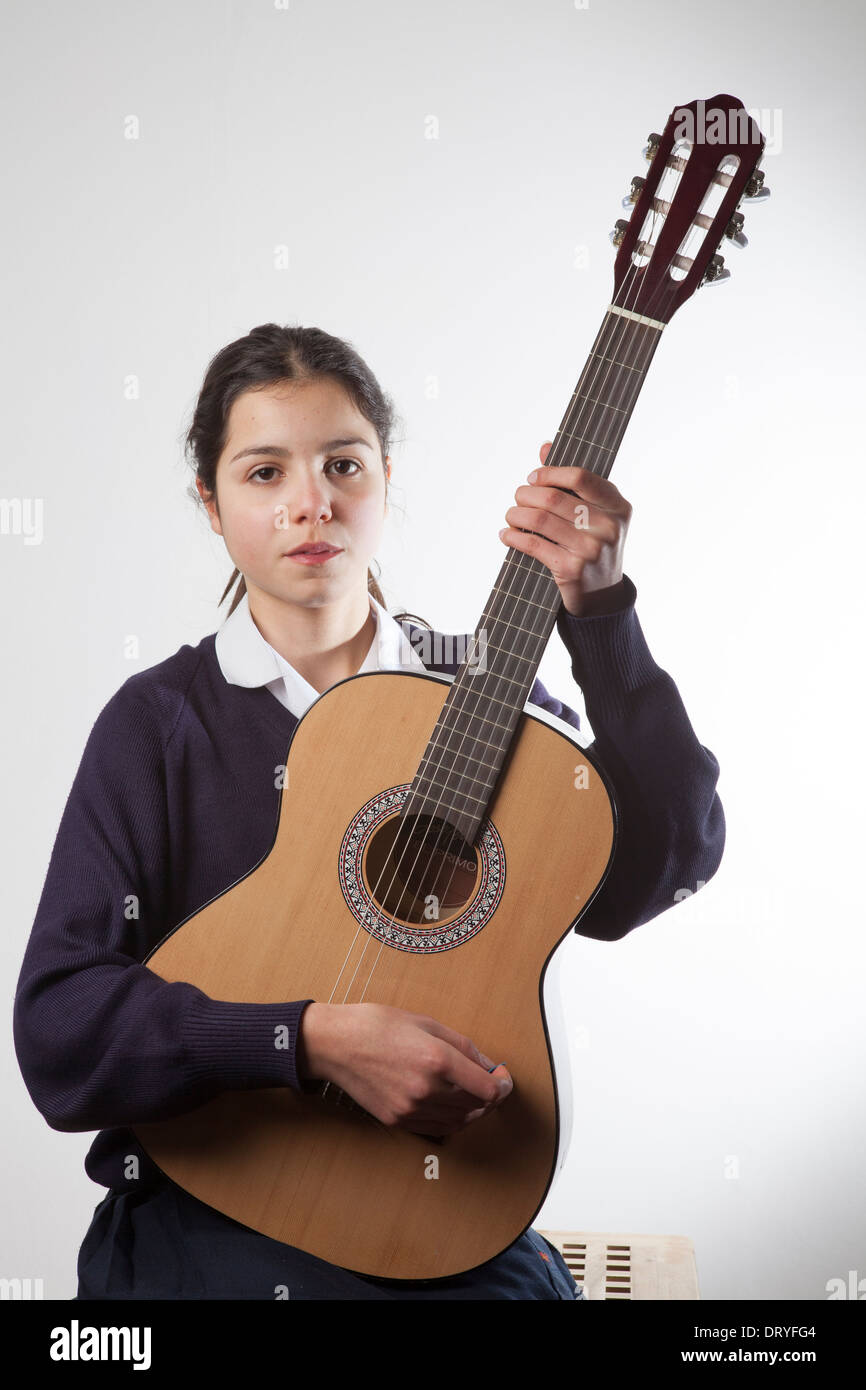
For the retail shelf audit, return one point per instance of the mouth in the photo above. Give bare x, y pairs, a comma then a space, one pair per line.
318, 548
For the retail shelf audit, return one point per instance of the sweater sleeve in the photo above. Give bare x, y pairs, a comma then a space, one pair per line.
671, 823
101, 1040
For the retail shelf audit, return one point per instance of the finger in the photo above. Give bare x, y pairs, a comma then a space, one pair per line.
436, 1120
432, 1115
545, 450
573, 545
463, 1071
458, 1040
488, 1087
585, 483
565, 562
559, 517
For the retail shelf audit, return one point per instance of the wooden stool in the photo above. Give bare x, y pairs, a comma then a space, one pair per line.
628, 1266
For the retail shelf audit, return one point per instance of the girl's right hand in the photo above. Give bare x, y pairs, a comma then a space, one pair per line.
406, 1069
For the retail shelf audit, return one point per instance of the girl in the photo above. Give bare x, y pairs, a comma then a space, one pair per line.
175, 799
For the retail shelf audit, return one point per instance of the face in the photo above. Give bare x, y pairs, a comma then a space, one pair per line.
293, 485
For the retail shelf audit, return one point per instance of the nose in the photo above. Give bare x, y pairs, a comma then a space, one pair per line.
307, 499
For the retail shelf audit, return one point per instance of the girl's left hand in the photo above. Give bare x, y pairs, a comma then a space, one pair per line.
581, 520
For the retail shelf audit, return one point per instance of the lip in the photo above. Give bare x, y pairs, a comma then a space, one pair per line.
316, 553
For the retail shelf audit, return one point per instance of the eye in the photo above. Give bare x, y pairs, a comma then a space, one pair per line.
272, 468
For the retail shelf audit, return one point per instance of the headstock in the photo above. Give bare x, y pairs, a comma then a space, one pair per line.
700, 167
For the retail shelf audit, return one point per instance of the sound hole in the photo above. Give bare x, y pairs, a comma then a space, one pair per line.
420, 869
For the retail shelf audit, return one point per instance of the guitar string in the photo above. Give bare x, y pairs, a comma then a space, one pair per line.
671, 290
613, 344
617, 333
618, 324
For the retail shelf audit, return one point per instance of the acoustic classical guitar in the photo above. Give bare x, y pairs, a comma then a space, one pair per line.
429, 878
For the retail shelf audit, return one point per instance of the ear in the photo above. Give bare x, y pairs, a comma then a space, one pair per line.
209, 501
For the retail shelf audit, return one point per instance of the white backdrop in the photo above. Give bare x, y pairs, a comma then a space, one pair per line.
282, 170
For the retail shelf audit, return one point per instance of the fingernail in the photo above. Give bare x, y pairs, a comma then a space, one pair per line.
533, 475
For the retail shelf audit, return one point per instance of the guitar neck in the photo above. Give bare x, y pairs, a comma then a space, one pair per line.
595, 421
466, 752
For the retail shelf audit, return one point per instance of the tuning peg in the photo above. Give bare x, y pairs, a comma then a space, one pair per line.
734, 231
619, 231
755, 190
715, 274
637, 186
651, 146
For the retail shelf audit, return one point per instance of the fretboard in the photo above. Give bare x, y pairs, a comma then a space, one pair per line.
458, 773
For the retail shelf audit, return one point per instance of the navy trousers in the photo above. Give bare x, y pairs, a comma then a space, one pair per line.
160, 1242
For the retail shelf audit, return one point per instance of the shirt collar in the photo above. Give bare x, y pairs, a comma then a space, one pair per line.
246, 658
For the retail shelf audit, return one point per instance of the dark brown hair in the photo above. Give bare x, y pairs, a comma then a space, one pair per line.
268, 356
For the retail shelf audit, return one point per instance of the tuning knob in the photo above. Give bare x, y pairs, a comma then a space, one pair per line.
755, 190
637, 186
619, 231
715, 273
651, 146
734, 231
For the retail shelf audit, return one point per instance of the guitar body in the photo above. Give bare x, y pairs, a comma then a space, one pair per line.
324, 1176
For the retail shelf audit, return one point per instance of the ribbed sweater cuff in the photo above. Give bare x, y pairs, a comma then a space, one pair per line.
609, 655
242, 1046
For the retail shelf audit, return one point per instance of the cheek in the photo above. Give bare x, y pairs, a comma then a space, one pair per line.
249, 531
368, 517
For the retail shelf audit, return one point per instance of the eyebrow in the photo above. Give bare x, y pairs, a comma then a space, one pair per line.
274, 450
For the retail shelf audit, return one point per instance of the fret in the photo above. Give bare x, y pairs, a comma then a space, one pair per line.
618, 411
515, 656
489, 646
615, 362
612, 386
475, 739
466, 777
583, 440
463, 735
620, 392
481, 800
433, 785
485, 695
543, 606
497, 675
593, 400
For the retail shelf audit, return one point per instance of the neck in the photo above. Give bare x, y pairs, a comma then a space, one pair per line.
324, 643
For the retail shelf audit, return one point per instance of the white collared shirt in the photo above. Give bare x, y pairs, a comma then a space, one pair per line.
246, 658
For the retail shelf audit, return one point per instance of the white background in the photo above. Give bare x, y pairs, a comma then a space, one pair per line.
720, 1093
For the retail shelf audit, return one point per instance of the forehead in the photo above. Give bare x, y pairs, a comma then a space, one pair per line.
296, 411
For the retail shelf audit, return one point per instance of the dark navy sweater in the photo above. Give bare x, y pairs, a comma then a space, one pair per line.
177, 796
